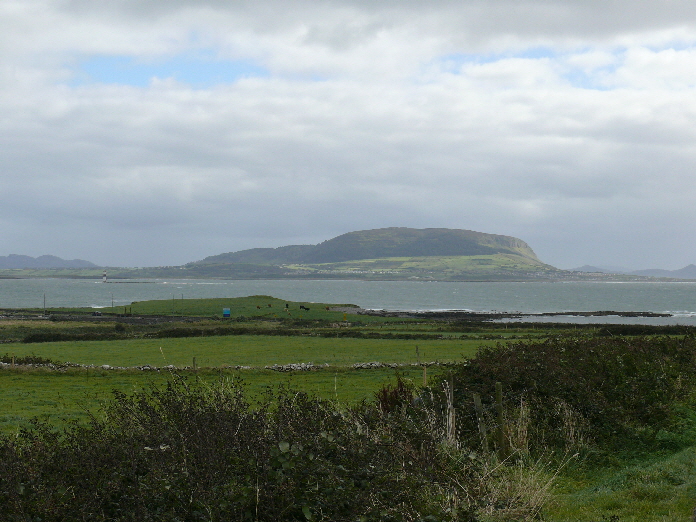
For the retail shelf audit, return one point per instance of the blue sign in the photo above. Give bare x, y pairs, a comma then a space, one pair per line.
225, 312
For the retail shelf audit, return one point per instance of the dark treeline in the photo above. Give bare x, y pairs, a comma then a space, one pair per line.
283, 327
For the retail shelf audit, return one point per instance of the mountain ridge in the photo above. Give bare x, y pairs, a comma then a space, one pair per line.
16, 261
688, 272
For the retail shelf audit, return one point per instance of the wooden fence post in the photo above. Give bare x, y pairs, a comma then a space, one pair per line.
503, 452
481, 422
451, 422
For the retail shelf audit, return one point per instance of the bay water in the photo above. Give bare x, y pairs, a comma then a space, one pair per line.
676, 298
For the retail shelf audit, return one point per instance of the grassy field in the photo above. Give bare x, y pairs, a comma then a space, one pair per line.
660, 489
58, 396
63, 397
249, 350
256, 306
441, 264
70, 395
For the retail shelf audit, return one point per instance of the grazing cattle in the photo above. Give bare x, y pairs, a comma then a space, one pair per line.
270, 306
258, 307
303, 307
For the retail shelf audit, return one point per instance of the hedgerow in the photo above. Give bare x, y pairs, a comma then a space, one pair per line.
194, 452
26, 359
610, 387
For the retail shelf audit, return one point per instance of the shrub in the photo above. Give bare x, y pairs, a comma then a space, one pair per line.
389, 398
614, 387
50, 337
26, 359
201, 452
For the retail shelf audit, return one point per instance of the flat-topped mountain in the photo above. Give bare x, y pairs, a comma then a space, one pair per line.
380, 243
18, 261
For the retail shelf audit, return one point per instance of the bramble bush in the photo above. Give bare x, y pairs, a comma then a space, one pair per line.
191, 451
613, 388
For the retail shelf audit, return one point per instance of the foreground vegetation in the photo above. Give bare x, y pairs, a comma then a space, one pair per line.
196, 450
522, 422
186, 452
61, 398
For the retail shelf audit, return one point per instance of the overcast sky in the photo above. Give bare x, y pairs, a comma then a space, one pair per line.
158, 132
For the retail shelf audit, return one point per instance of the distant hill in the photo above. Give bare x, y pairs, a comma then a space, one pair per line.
597, 270
383, 243
688, 272
18, 261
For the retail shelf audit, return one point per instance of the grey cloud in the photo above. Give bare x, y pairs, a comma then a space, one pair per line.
386, 136
540, 17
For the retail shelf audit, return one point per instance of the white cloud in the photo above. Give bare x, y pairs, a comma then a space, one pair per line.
668, 69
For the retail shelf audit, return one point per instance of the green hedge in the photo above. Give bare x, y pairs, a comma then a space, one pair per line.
190, 452
615, 386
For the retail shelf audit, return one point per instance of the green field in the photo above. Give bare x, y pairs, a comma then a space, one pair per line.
256, 306
249, 350
444, 267
58, 396
63, 397
660, 489
70, 395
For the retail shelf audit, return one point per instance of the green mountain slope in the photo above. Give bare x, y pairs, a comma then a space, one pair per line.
383, 243
261, 256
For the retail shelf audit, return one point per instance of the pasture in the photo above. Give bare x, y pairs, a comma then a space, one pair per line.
282, 333
61, 398
249, 350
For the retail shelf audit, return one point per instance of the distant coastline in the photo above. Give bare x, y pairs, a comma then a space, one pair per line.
244, 273
466, 315
642, 302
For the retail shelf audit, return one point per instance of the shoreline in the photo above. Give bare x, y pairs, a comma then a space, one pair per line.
468, 315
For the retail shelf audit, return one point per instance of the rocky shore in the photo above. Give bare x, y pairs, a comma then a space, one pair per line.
467, 315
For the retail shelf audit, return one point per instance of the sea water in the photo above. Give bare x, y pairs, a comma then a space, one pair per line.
676, 298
